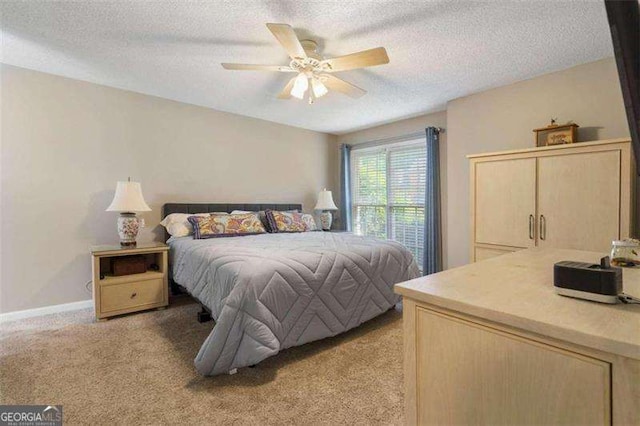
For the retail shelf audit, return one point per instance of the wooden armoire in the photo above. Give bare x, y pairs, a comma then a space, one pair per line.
579, 196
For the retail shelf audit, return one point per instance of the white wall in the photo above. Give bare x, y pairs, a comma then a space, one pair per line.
65, 143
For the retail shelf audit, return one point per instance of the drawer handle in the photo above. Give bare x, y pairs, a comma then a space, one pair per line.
134, 295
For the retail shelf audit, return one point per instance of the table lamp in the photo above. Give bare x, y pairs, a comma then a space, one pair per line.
325, 204
128, 200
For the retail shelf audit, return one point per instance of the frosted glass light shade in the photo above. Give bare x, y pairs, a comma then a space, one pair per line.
325, 201
300, 86
128, 198
319, 89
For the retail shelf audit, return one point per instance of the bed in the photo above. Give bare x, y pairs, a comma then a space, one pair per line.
270, 292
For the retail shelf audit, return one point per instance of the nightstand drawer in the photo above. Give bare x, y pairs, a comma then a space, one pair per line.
116, 297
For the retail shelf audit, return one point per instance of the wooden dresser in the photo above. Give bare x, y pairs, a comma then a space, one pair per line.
491, 343
576, 196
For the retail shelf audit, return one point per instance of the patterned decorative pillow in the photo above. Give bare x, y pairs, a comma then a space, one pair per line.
289, 221
309, 220
178, 225
226, 225
262, 214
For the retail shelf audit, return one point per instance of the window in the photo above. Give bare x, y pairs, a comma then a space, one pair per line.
388, 185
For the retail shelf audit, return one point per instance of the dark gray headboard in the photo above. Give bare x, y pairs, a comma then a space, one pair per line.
220, 207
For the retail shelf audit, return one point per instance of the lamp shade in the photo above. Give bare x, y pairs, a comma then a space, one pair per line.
325, 201
128, 198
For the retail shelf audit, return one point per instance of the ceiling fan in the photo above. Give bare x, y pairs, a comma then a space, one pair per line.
312, 69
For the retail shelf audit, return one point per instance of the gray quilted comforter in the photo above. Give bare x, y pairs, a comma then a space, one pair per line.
270, 292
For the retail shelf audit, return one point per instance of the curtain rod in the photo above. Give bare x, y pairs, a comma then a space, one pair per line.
385, 141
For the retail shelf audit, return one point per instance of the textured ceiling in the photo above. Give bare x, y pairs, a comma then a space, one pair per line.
439, 50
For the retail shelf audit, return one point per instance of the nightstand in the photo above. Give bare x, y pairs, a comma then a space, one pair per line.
116, 295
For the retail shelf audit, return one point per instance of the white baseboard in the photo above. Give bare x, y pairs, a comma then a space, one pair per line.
46, 310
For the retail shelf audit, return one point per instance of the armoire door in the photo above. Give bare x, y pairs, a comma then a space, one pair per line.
579, 200
505, 196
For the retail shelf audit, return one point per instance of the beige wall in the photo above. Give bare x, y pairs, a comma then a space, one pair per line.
65, 143
397, 128
503, 118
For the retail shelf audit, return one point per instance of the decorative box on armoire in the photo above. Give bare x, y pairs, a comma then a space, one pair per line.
555, 134
576, 196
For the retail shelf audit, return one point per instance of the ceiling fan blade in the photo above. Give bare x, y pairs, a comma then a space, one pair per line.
366, 58
288, 39
286, 92
252, 67
339, 85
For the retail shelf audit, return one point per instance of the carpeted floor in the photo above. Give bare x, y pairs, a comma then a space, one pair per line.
138, 369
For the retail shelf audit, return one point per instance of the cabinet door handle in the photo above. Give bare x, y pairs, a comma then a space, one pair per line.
543, 227
133, 295
532, 226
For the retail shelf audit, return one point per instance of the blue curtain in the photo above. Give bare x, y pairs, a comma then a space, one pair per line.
345, 187
432, 261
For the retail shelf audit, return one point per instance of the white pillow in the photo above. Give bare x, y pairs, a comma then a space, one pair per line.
177, 224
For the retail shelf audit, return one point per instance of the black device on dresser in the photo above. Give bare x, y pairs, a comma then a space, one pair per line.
591, 281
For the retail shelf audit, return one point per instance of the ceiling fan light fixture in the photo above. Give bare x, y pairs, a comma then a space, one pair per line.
300, 86
318, 88
310, 65
296, 94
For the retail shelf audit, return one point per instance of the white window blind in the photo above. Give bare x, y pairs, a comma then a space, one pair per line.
369, 176
407, 174
388, 194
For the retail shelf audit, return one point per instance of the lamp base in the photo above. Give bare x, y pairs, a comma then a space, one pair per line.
128, 228
325, 220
